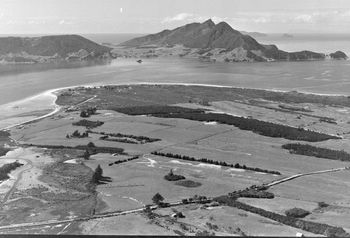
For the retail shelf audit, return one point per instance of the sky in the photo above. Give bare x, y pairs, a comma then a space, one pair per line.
151, 16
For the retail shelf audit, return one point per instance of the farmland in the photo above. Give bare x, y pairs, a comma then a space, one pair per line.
136, 174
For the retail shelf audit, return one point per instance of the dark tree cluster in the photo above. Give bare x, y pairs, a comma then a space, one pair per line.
252, 192
124, 160
88, 124
141, 139
4, 136
196, 199
314, 227
209, 161
173, 177
309, 150
76, 134
260, 127
297, 212
155, 110
90, 149
98, 177
159, 200
328, 120
120, 140
7, 168
88, 112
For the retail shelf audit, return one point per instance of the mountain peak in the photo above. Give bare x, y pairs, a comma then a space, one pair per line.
209, 23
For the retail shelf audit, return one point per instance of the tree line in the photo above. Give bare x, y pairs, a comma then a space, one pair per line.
124, 160
88, 124
309, 150
260, 127
215, 162
141, 139
77, 134
90, 149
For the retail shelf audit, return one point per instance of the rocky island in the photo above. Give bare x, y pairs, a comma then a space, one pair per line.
208, 41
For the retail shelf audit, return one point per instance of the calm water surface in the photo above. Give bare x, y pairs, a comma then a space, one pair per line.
329, 77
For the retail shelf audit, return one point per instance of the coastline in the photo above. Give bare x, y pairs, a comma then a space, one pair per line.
56, 108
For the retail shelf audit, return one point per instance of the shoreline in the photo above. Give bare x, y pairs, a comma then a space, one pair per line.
53, 93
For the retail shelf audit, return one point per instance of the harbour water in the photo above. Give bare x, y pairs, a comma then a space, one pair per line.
25, 92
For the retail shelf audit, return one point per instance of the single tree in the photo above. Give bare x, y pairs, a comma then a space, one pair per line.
86, 155
98, 172
90, 144
157, 198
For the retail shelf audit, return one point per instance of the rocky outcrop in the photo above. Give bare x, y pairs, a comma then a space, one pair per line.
338, 55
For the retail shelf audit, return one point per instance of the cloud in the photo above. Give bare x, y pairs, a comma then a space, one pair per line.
65, 22
304, 18
190, 17
179, 17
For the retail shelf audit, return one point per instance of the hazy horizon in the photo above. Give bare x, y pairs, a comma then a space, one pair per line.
141, 17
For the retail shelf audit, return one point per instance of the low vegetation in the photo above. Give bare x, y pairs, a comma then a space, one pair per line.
209, 161
314, 227
88, 124
297, 212
173, 177
88, 112
125, 137
90, 148
120, 140
252, 192
188, 183
3, 151
322, 205
76, 134
294, 108
309, 150
7, 168
155, 110
260, 127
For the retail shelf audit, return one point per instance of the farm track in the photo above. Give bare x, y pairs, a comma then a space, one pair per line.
304, 174
79, 219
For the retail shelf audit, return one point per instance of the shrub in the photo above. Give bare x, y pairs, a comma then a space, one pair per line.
205, 160
322, 205
173, 177
88, 124
297, 213
157, 199
188, 183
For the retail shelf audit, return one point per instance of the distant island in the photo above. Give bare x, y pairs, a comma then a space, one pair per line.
254, 34
285, 35
48, 49
208, 41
